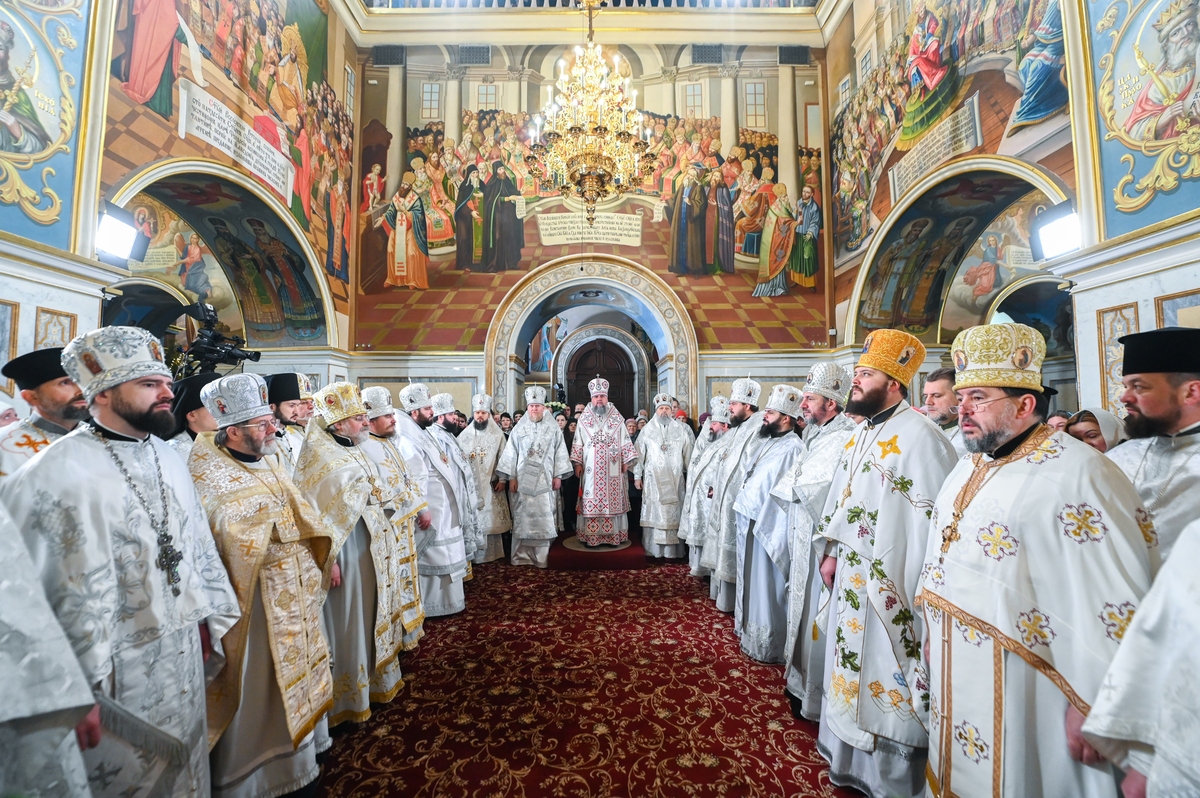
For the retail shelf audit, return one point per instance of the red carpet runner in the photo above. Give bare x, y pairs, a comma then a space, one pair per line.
582, 684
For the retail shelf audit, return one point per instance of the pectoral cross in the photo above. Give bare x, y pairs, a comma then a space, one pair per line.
846, 495
950, 535
376, 492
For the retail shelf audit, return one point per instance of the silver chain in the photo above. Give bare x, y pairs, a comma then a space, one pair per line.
168, 556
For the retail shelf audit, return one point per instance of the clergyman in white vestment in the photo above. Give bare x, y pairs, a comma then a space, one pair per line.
533, 465
482, 442
443, 430
286, 392
1038, 556
873, 532
123, 549
764, 560
702, 471
1161, 372
806, 487
58, 406
602, 452
664, 450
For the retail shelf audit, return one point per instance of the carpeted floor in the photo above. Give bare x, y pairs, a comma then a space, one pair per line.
582, 684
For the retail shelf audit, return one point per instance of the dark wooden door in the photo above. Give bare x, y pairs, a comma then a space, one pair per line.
606, 359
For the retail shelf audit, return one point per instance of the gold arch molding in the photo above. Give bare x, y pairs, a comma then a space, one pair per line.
1037, 177
577, 339
136, 182
590, 269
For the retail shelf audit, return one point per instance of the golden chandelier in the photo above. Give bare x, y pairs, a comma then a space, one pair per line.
593, 140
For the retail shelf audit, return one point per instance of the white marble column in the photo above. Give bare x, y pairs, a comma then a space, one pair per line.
511, 101
729, 107
91, 146
395, 121
524, 104
789, 162
454, 79
668, 81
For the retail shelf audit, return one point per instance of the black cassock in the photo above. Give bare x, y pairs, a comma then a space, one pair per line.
503, 232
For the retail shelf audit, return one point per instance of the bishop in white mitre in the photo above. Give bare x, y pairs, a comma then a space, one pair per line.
1039, 554
664, 448
191, 416
872, 536
1145, 718
1161, 372
369, 582
123, 549
482, 443
602, 452
443, 430
57, 407
702, 471
743, 441
406, 508
286, 392
43, 692
532, 466
827, 431
267, 703
441, 550
763, 558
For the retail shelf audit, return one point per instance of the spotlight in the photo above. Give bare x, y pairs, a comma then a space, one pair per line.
118, 240
1055, 231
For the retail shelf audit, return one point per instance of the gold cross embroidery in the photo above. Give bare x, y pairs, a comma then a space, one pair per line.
30, 442
888, 447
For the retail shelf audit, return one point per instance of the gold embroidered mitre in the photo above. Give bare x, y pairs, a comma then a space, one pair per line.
338, 401
894, 352
999, 356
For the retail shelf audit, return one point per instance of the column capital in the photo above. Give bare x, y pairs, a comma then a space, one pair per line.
730, 70
670, 73
455, 72
516, 73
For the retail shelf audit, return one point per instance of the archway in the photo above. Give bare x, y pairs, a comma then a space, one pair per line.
603, 357
1043, 302
646, 298
564, 357
914, 260
147, 304
279, 288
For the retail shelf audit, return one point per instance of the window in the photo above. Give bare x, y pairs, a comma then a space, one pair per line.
487, 97
756, 105
693, 100
349, 93
864, 66
844, 91
431, 100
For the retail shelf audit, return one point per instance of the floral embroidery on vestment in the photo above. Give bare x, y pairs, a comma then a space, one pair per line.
1116, 619
997, 541
971, 741
1034, 628
1082, 523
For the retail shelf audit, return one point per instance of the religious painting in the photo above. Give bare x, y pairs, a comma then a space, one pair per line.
1112, 324
182, 258
231, 230
1148, 110
244, 82
542, 347
1000, 256
916, 265
1178, 310
41, 71
53, 328
962, 77
9, 315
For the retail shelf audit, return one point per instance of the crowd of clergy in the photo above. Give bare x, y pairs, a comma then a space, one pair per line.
203, 577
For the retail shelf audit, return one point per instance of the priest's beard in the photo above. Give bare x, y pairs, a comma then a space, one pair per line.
600, 410
480, 425
152, 422
423, 422
774, 430
449, 426
67, 411
358, 439
269, 445
871, 404
663, 420
735, 421
1140, 426
713, 435
997, 436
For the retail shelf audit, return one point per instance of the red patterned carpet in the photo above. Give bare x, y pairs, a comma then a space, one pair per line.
582, 684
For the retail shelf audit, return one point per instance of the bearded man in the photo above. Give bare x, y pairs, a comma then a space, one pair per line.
191, 416
806, 486
873, 531
444, 430
1162, 395
941, 407
483, 442
442, 556
58, 406
347, 490
291, 411
1026, 599
1159, 107
122, 547
267, 703
602, 452
533, 465
664, 450
702, 471
760, 608
720, 546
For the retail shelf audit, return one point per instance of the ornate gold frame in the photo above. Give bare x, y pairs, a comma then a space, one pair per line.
1159, 301
1100, 345
9, 386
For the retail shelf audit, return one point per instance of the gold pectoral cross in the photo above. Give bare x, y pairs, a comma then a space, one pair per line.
845, 495
950, 535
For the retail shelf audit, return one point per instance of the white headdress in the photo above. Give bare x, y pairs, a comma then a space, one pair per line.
535, 395
236, 398
378, 401
830, 380
414, 397
785, 399
105, 358
443, 404
718, 409
662, 399
745, 391
598, 385
481, 401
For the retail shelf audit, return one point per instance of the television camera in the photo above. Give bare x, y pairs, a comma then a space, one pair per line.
211, 348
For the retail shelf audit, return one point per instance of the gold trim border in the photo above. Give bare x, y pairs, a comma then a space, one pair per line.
1159, 301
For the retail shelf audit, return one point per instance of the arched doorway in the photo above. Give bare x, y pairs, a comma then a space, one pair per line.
149, 305
645, 381
605, 359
